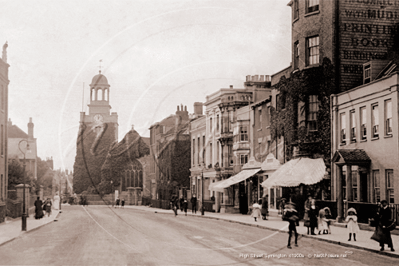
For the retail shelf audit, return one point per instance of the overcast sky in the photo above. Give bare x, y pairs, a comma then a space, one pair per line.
156, 54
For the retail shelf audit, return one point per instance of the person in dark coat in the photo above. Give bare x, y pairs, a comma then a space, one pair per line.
173, 203
38, 209
193, 204
291, 215
384, 220
265, 208
123, 203
185, 205
47, 206
181, 203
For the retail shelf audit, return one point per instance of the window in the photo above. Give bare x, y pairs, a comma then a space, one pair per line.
388, 117
313, 50
210, 154
354, 184
296, 55
390, 185
376, 181
374, 121
217, 123
193, 151
353, 125
231, 162
210, 125
367, 73
243, 133
198, 152
203, 150
268, 117
260, 117
296, 9
344, 182
312, 6
312, 115
99, 95
343, 128
243, 159
363, 123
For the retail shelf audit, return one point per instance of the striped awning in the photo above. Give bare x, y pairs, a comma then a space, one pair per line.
298, 171
241, 176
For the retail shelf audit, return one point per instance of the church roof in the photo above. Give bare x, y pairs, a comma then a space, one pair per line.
99, 80
16, 132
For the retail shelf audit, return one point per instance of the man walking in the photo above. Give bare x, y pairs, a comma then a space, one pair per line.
193, 204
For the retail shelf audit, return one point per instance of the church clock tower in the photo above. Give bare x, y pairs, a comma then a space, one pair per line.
98, 130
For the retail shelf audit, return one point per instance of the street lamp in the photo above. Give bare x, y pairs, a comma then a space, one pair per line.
202, 190
23, 191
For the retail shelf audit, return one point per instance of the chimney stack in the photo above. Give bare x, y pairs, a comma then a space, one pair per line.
231, 86
198, 108
30, 128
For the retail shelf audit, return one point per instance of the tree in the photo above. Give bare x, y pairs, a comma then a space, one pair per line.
15, 173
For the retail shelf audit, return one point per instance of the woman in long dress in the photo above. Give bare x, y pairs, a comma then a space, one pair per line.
38, 209
256, 211
56, 201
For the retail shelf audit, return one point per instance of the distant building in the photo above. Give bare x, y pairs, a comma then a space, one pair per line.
17, 139
4, 81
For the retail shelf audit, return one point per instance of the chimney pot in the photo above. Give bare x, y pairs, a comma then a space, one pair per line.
231, 86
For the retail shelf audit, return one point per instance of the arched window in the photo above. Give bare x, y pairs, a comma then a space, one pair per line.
93, 94
99, 94
106, 94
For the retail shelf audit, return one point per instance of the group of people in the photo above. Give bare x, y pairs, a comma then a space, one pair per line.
182, 204
260, 209
43, 208
121, 202
313, 218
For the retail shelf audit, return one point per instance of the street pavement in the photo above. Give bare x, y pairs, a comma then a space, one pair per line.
139, 235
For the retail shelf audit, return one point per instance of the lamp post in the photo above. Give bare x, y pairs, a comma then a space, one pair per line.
202, 191
23, 179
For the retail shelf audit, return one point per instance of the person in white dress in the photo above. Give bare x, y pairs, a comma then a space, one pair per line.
256, 211
352, 225
56, 201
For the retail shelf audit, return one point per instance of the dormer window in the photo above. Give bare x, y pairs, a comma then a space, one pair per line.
367, 73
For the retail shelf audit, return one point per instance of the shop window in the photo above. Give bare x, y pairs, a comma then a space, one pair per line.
363, 123
312, 6
374, 120
193, 152
312, 114
388, 117
343, 182
353, 125
390, 186
296, 55
313, 50
343, 128
243, 133
376, 181
203, 150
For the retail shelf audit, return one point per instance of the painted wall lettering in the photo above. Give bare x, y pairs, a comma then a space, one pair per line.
353, 69
362, 55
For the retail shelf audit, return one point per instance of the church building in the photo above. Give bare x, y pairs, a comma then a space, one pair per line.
97, 131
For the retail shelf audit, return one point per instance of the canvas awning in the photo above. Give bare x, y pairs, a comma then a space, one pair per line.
241, 176
298, 171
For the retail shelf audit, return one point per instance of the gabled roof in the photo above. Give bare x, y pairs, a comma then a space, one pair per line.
344, 156
15, 132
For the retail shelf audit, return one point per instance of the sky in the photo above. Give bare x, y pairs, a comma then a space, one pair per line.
156, 55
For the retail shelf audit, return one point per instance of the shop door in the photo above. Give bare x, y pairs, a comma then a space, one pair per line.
243, 198
363, 187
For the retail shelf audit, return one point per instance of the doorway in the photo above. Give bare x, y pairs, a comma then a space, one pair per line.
363, 187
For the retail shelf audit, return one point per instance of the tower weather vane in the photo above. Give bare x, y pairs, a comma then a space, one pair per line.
100, 65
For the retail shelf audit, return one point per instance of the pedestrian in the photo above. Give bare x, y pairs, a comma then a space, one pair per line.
384, 223
265, 208
38, 209
181, 203
352, 225
185, 205
47, 206
281, 206
117, 202
123, 203
56, 201
193, 204
324, 221
291, 215
256, 210
173, 204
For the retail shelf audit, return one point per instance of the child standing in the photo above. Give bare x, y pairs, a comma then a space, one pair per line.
185, 205
353, 227
255, 211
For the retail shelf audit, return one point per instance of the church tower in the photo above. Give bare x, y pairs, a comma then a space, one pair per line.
98, 130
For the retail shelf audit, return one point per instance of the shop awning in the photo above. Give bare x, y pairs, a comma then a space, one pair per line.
241, 176
217, 183
298, 171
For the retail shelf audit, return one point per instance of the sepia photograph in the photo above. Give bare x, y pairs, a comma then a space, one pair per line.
199, 132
